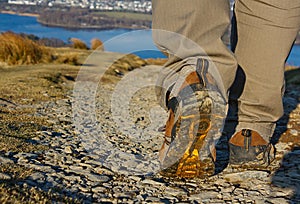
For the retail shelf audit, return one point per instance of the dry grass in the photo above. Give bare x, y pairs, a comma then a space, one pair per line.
71, 59
158, 61
17, 127
127, 63
69, 56
14, 191
78, 44
68, 52
97, 44
19, 124
122, 66
17, 50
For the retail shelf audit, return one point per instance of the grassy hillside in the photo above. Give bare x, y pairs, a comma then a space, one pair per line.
128, 15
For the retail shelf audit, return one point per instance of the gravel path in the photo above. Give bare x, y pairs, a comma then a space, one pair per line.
105, 145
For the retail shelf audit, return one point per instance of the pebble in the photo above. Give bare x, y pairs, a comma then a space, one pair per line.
68, 150
243, 177
135, 178
97, 178
37, 176
5, 160
175, 191
152, 183
153, 199
204, 195
294, 132
4, 176
279, 201
282, 193
99, 189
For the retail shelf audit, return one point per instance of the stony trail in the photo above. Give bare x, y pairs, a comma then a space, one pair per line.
105, 145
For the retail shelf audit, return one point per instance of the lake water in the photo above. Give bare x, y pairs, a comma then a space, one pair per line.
116, 40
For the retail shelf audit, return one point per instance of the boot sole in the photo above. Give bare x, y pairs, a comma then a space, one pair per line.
192, 129
190, 152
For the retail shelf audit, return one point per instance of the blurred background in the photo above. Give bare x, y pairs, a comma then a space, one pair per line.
55, 22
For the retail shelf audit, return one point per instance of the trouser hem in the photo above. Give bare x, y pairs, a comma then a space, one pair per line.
266, 130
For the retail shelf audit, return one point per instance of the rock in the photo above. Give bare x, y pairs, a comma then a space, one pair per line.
101, 170
135, 178
174, 191
23, 155
121, 195
152, 199
37, 176
31, 183
36, 139
294, 132
76, 168
84, 165
279, 201
95, 162
4, 176
229, 189
68, 150
84, 189
99, 189
243, 177
204, 195
38, 167
282, 193
5, 160
139, 198
97, 178
151, 182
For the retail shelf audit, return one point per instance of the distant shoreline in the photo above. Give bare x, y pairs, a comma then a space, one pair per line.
20, 14
89, 27
72, 27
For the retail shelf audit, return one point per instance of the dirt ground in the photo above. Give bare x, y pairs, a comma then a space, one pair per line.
24, 90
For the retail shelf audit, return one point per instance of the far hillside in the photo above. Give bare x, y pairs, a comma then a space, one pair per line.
83, 18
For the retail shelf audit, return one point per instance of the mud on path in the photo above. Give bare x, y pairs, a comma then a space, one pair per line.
104, 150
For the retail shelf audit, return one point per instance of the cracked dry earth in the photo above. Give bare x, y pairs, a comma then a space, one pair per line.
105, 145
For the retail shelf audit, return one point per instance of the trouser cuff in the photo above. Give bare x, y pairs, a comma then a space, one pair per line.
266, 130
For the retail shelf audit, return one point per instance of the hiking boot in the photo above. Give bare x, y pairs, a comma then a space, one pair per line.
188, 150
249, 150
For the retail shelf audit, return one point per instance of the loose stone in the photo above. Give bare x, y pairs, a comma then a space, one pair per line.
97, 178
4, 160
68, 150
4, 176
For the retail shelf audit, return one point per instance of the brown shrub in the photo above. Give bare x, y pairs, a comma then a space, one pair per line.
158, 61
78, 44
124, 64
97, 44
15, 49
71, 59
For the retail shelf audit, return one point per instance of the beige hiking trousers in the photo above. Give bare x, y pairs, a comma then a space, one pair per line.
263, 35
